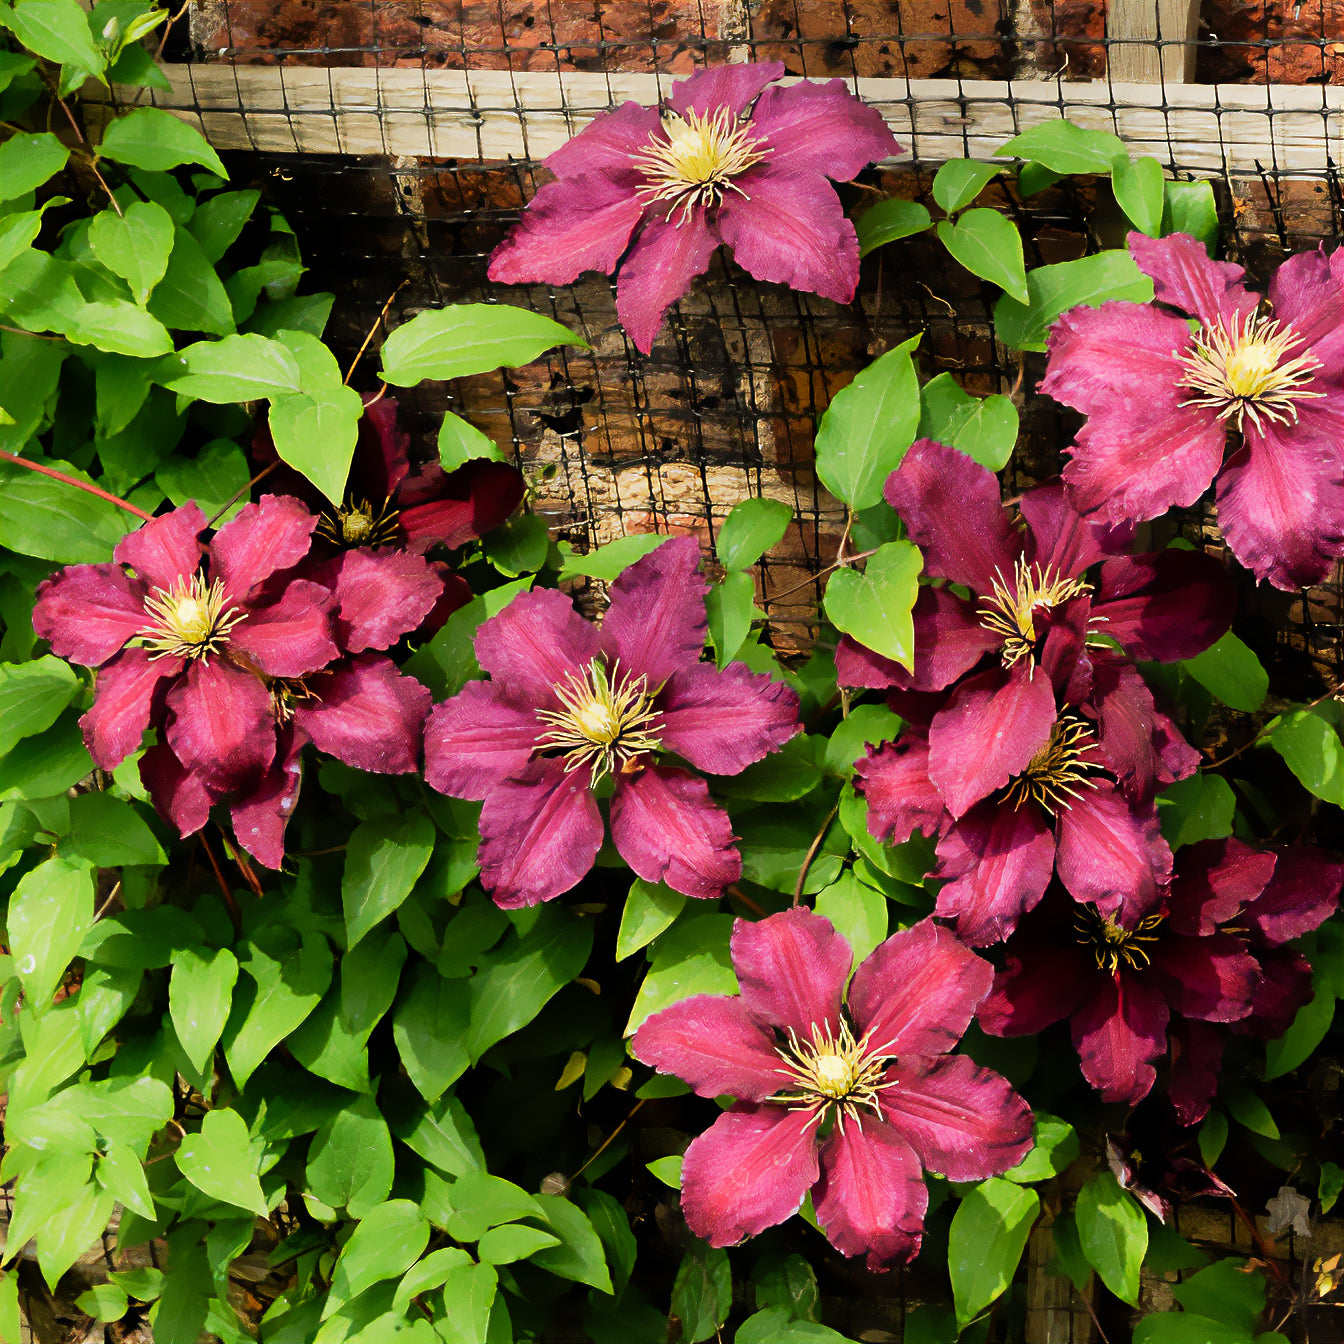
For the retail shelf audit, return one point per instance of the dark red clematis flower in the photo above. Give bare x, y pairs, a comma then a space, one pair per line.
1163, 399
849, 1097
1205, 955
570, 703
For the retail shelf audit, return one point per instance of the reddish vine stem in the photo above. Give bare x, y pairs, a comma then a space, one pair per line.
234, 913
1255, 741
1261, 1245
78, 484
812, 854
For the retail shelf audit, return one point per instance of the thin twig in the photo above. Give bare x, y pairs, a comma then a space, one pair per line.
606, 1143
1255, 741
373, 331
238, 494
111, 896
36, 335
167, 28
78, 484
737, 894
812, 853
839, 564
84, 141
232, 905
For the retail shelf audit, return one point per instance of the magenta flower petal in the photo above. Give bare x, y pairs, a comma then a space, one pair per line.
265, 537
714, 1043
1166, 606
821, 128
178, 794
954, 512
608, 142
667, 828
1044, 982
792, 970
382, 595
871, 1198
1301, 895
540, 834
88, 612
996, 863
988, 733
1281, 498
260, 816
1118, 1033
476, 740
964, 1122
292, 637
724, 721
123, 705
1284, 989
574, 225
221, 726
536, 643
894, 781
655, 625
166, 549
1305, 295
789, 228
723, 86
860, 668
916, 993
1060, 538
1125, 719
1214, 880
748, 1171
449, 509
949, 639
1196, 1055
1213, 978
1111, 854
659, 269
368, 714
1184, 277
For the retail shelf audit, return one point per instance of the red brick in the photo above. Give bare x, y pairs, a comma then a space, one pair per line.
1306, 42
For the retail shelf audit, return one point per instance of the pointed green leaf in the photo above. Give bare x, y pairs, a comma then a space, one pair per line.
200, 994
387, 1242
384, 858
988, 1235
134, 245
988, 244
1138, 186
875, 607
219, 1161
49, 913
959, 181
888, 221
1113, 1234
27, 161
155, 140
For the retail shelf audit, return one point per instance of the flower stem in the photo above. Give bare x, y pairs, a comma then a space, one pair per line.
78, 484
812, 853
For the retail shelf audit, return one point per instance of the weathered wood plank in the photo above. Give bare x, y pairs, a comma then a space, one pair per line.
1203, 128
1135, 27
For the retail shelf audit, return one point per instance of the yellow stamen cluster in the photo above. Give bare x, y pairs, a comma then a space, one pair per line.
1059, 770
833, 1075
1011, 610
1112, 944
695, 160
359, 523
1245, 367
604, 722
189, 620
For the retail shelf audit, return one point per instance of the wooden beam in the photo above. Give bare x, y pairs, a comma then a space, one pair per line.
1206, 129
1152, 41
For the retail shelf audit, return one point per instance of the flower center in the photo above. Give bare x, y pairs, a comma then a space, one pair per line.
1011, 610
1246, 368
1112, 944
833, 1074
359, 523
1059, 770
188, 620
695, 160
605, 720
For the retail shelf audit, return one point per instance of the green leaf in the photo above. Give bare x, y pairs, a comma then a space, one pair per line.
461, 442
1113, 1233
430, 1027
469, 338
109, 833
350, 1159
776, 1326
1212, 1137
1065, 148
989, 1233
191, 297
1054, 1147
482, 1201
45, 765
32, 696
220, 1161
730, 606
17, 233
702, 1293
236, 368
855, 910
1308, 741
1247, 1109
984, 428
56, 29
443, 1135
430, 1272
388, 1240
752, 527
649, 909
155, 140
667, 1170
384, 858
468, 1297
219, 220
27, 161
1052, 290
785, 775
865, 726
1198, 808
120, 328
134, 245
1304, 1034
1191, 208
1138, 185
607, 562
199, 998
959, 181
104, 1302
1183, 1327
1069, 1255
1231, 671
788, 1284
988, 244
49, 913
888, 221
217, 474
875, 607
519, 546
513, 1241
690, 958
1226, 1291
868, 426
1330, 1186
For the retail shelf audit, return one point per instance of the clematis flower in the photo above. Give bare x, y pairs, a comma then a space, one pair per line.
571, 705
848, 1100
649, 193
1163, 400
1175, 975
